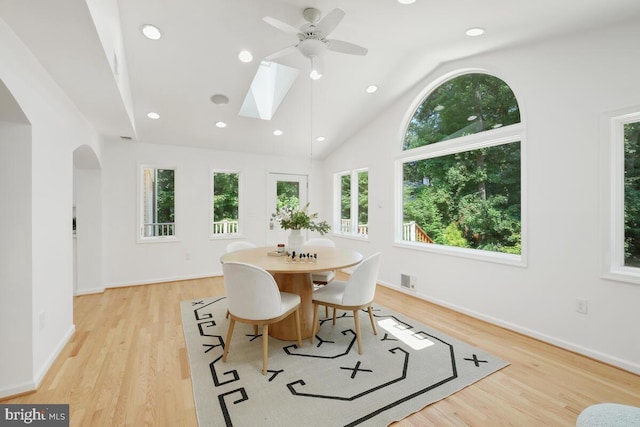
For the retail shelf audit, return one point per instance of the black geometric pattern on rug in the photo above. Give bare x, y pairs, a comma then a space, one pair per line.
395, 369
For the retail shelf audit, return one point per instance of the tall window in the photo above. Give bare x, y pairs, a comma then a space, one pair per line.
157, 204
631, 141
460, 170
352, 204
623, 246
225, 203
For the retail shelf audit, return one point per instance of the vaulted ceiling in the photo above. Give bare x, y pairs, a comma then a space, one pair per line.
96, 53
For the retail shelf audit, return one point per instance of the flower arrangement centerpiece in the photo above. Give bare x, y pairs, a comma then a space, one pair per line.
296, 219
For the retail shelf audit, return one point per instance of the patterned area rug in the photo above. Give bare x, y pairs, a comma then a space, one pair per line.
406, 367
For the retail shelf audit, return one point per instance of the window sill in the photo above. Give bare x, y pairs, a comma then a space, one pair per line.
475, 254
228, 236
624, 274
351, 237
166, 239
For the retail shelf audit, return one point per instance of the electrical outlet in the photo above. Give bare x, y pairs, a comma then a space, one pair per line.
581, 305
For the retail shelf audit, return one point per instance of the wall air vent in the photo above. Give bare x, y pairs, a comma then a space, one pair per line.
407, 281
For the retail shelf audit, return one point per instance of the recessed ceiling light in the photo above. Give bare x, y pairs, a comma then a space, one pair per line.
219, 99
406, 1
277, 132
151, 32
245, 56
320, 138
474, 32
153, 116
372, 89
221, 124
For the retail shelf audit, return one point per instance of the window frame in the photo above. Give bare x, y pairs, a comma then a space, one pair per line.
238, 234
488, 138
140, 238
613, 194
354, 192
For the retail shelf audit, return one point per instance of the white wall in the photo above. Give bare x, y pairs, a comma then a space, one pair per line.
564, 87
15, 256
56, 129
88, 185
127, 262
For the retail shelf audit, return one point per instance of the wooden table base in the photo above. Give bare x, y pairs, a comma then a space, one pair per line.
302, 285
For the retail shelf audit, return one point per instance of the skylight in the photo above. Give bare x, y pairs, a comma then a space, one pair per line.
269, 87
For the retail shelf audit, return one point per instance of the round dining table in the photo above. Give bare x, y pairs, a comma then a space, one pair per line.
295, 277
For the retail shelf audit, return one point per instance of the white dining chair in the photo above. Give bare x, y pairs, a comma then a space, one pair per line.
323, 277
239, 245
355, 294
253, 297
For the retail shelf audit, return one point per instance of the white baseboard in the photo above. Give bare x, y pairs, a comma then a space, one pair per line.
162, 280
567, 345
53, 356
33, 385
17, 389
89, 291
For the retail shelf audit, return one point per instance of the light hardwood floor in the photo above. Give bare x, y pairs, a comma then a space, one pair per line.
127, 365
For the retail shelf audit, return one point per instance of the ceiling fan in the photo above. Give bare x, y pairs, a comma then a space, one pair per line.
312, 41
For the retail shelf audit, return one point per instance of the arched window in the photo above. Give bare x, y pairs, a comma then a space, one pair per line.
461, 170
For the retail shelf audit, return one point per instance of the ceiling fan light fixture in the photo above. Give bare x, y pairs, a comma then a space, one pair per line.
151, 32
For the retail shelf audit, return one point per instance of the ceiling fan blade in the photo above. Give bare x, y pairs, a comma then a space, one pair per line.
282, 52
330, 22
346, 47
282, 26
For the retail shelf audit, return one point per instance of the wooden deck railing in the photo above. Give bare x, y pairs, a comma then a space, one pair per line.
414, 233
155, 229
225, 227
345, 227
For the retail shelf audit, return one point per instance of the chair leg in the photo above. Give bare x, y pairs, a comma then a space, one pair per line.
314, 324
356, 319
265, 347
373, 323
255, 330
298, 327
228, 342
334, 316
226, 316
